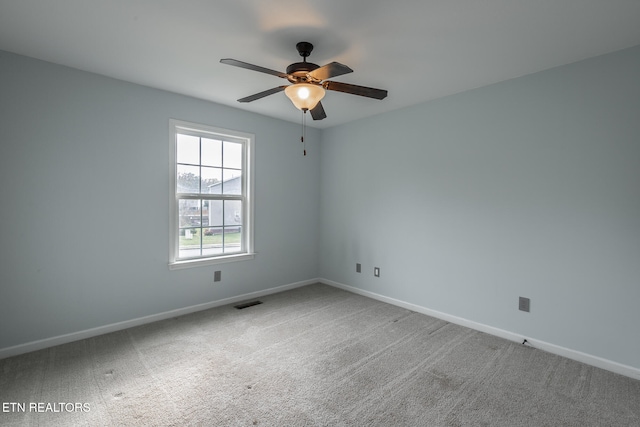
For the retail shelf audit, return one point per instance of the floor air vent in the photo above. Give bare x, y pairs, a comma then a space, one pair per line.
247, 304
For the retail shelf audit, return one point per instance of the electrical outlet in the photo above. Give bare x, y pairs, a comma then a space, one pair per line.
358, 268
523, 304
376, 271
217, 276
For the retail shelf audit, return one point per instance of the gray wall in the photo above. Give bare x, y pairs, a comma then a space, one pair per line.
530, 187
524, 188
84, 193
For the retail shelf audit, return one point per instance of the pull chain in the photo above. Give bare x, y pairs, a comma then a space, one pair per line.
304, 122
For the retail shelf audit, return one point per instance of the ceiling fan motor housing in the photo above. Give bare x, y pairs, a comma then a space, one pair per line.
299, 70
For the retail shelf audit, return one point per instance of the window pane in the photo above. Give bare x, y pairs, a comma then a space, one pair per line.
233, 213
231, 181
190, 242
188, 149
188, 179
211, 177
232, 239
209, 250
212, 235
212, 241
232, 155
215, 213
211, 152
188, 252
188, 213
205, 213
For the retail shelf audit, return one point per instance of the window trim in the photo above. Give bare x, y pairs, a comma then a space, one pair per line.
248, 141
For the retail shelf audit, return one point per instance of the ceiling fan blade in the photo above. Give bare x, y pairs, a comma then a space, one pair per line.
369, 92
262, 94
248, 66
318, 112
332, 69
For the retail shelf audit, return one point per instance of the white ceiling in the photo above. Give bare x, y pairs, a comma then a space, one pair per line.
416, 49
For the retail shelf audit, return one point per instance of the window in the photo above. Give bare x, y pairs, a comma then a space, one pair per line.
211, 211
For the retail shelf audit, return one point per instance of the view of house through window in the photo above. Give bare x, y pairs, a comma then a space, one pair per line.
211, 193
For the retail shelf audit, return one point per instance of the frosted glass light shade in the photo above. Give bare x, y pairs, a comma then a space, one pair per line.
304, 96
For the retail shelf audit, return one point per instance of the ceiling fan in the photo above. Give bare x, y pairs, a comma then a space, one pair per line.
309, 82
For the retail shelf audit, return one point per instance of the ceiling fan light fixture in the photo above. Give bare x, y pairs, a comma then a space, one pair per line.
305, 96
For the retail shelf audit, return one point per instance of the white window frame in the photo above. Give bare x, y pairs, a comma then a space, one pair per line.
247, 140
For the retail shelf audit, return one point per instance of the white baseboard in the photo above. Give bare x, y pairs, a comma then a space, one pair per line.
113, 327
598, 362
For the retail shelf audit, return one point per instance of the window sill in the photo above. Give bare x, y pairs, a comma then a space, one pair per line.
177, 265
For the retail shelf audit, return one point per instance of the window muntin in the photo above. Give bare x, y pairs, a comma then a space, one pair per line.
211, 210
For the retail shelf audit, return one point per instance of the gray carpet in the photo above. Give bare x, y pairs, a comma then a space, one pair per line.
315, 356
